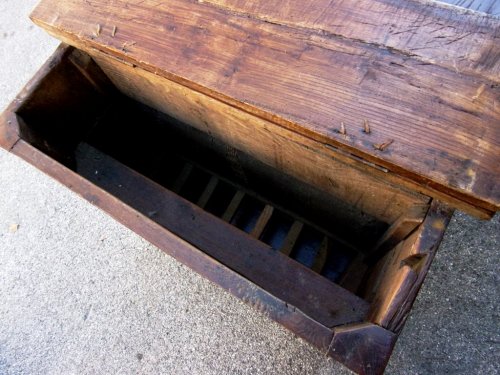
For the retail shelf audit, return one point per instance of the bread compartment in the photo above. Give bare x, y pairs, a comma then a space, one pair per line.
318, 229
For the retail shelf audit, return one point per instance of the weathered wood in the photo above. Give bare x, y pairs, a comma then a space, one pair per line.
397, 277
364, 348
182, 178
320, 260
233, 205
291, 238
262, 221
353, 276
399, 230
423, 30
9, 122
207, 193
440, 123
269, 269
260, 299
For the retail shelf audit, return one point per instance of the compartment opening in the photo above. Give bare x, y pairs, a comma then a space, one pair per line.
222, 200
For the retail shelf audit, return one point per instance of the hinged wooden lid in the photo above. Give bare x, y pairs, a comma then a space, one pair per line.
412, 86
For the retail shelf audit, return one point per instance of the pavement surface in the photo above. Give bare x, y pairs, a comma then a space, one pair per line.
81, 294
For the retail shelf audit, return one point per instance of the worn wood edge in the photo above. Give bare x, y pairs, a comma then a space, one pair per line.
9, 121
364, 348
439, 218
400, 229
371, 35
267, 304
413, 258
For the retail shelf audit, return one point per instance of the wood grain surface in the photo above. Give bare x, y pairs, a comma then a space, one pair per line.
431, 96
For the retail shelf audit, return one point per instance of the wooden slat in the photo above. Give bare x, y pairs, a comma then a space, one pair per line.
182, 178
281, 276
439, 120
353, 276
262, 221
320, 260
233, 205
207, 193
291, 238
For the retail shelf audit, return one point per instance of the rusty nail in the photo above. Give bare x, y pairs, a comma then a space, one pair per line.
382, 146
367, 129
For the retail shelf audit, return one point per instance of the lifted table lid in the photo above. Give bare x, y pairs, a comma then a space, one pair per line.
424, 76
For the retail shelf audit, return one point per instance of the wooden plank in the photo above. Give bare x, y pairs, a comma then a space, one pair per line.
271, 306
425, 30
233, 205
397, 277
439, 122
279, 275
291, 238
207, 193
262, 221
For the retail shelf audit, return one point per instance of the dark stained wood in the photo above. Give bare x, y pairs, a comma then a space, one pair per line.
258, 298
397, 277
9, 121
288, 280
353, 276
207, 193
182, 178
399, 230
233, 205
439, 121
364, 348
320, 260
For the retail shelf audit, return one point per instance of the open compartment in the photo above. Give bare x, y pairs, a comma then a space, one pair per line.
322, 238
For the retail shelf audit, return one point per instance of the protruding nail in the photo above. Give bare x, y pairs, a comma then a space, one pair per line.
342, 129
382, 146
367, 129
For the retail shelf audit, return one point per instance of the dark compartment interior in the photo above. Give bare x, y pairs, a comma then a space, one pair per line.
293, 239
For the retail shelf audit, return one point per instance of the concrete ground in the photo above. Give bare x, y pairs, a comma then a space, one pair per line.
79, 293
